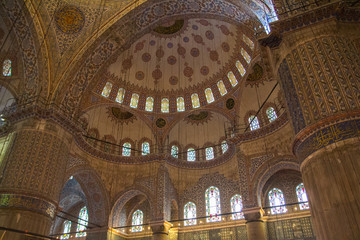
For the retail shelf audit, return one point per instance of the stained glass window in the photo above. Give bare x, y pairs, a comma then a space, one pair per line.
165, 105
271, 114
180, 104
67, 228
224, 146
191, 155
302, 197
126, 150
236, 206
212, 201
276, 198
254, 123
240, 68
221, 87
107, 89
209, 95
209, 153
120, 95
174, 151
7, 68
248, 41
137, 219
134, 100
245, 55
149, 106
232, 79
82, 222
190, 214
195, 100
145, 148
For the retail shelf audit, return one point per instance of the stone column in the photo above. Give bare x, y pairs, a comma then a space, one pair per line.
320, 77
160, 230
255, 226
33, 172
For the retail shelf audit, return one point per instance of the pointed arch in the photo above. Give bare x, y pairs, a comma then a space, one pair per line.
212, 203
190, 214
302, 197
277, 201
236, 207
82, 222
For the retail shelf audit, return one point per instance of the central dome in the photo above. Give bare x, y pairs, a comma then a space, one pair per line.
181, 55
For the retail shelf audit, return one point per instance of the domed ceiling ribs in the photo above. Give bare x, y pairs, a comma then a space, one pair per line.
98, 55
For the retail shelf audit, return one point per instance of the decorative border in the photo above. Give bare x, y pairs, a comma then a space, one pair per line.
28, 203
323, 137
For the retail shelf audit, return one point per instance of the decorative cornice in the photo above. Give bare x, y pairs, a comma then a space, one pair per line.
325, 132
27, 203
263, 131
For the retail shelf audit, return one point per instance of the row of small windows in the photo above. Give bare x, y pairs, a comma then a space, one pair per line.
254, 122
213, 210
213, 206
180, 103
81, 226
191, 153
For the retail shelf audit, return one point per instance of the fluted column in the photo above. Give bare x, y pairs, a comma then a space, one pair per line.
33, 168
321, 82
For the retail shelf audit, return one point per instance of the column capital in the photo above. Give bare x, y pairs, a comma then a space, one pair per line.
253, 214
160, 227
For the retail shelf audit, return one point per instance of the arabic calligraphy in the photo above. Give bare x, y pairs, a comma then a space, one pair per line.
324, 137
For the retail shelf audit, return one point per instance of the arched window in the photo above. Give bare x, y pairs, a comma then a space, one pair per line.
245, 55
302, 197
149, 106
7, 68
195, 100
224, 146
137, 219
254, 123
134, 100
248, 42
126, 150
212, 201
190, 214
82, 222
145, 148
236, 207
180, 104
221, 86
209, 95
165, 105
107, 89
120, 95
240, 68
175, 151
271, 114
276, 198
209, 153
67, 228
191, 155
232, 79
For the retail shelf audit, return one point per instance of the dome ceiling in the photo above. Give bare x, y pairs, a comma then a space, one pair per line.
180, 54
